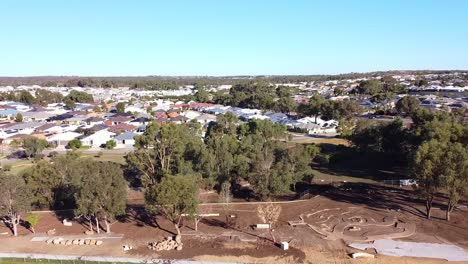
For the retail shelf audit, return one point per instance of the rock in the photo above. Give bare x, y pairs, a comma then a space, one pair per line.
89, 232
75, 242
361, 255
49, 241
179, 247
56, 241
92, 242
66, 222
68, 243
87, 242
127, 247
81, 242
284, 245
99, 242
178, 238
51, 232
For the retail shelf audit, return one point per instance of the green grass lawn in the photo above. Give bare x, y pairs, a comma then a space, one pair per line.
329, 178
332, 141
19, 165
106, 156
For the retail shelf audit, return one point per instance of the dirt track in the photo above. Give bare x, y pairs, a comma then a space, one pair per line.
333, 213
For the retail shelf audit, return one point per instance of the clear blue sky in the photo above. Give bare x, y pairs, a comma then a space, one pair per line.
230, 37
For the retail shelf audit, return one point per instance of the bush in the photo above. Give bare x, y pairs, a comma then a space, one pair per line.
110, 144
39, 156
74, 144
53, 154
6, 167
323, 159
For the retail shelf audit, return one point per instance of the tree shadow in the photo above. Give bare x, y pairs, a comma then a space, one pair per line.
222, 224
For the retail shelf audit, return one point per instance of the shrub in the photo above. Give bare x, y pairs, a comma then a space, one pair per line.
110, 144
53, 154
74, 144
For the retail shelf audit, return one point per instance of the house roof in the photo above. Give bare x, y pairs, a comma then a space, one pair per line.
6, 112
120, 118
94, 119
140, 119
98, 127
45, 126
178, 118
64, 136
18, 126
121, 127
126, 136
99, 134
37, 114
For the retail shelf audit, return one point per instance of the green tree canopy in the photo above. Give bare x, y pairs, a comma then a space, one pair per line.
120, 107
102, 193
174, 197
19, 118
15, 199
33, 146
407, 105
79, 97
42, 180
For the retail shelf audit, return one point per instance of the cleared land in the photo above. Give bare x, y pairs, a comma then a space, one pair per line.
215, 240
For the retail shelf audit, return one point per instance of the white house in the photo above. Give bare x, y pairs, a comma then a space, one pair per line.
97, 139
126, 139
62, 139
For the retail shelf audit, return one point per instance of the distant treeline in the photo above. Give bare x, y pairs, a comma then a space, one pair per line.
173, 82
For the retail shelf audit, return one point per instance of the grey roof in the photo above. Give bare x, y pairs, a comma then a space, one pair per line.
126, 136
20, 126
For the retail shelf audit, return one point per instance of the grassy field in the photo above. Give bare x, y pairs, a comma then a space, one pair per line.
19, 165
106, 156
332, 141
325, 177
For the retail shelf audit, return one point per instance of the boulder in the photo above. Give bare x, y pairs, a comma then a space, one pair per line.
66, 222
57, 241
89, 232
68, 243
99, 242
81, 242
361, 255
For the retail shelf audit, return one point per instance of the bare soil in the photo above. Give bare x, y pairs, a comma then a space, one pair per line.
239, 241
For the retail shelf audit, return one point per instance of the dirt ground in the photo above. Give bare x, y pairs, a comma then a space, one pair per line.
215, 240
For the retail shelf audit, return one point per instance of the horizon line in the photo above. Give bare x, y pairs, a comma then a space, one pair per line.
234, 75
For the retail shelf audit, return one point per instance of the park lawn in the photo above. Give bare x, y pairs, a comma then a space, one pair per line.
325, 177
106, 156
19, 165
318, 140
